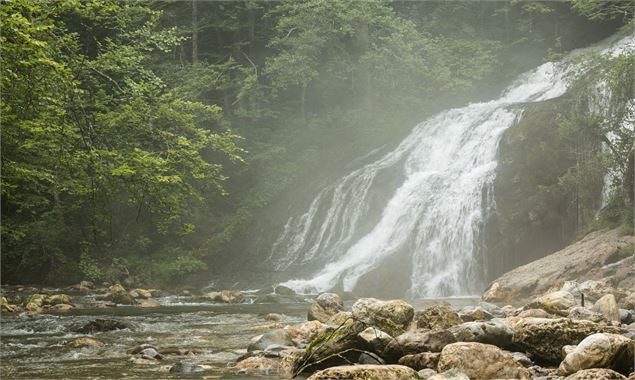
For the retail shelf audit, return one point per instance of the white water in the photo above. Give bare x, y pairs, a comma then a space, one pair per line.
434, 206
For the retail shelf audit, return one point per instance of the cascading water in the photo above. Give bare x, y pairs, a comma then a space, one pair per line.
428, 198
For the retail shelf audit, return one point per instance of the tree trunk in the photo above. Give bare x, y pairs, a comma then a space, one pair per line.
194, 32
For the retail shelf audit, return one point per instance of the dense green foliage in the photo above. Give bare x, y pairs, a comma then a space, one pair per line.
118, 160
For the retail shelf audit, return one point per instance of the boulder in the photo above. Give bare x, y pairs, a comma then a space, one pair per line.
596, 374
369, 358
392, 317
583, 313
414, 342
544, 338
481, 361
325, 306
58, 299
626, 316
273, 317
275, 337
607, 306
600, 351
137, 349
628, 302
101, 325
257, 365
421, 360
535, 313
470, 313
35, 301
84, 342
149, 353
150, 303
119, 295
375, 340
289, 360
226, 296
557, 302
366, 372
498, 332
142, 293
452, 374
427, 373
5, 306
594, 290
332, 346
339, 318
304, 333
61, 307
284, 291
437, 317
185, 367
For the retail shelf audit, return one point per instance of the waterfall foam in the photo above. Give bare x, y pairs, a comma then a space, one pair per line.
434, 207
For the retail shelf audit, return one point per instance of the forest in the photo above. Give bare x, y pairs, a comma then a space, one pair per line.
142, 139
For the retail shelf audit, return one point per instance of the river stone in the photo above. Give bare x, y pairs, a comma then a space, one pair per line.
593, 290
257, 365
339, 318
325, 306
416, 341
600, 351
101, 325
543, 338
392, 317
437, 317
470, 314
370, 358
273, 317
289, 360
427, 373
226, 296
557, 302
277, 337
58, 299
607, 306
332, 346
421, 360
535, 313
583, 313
626, 316
596, 374
137, 349
481, 361
84, 342
451, 374
522, 359
61, 307
366, 372
150, 353
149, 303
36, 300
6, 306
284, 290
628, 302
498, 332
185, 367
375, 340
303, 333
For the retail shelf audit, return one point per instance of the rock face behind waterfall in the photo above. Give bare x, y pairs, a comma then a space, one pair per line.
588, 259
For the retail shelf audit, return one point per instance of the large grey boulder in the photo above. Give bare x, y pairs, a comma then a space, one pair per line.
596, 374
325, 306
557, 302
481, 361
414, 342
437, 317
392, 317
498, 332
375, 340
607, 306
600, 351
544, 338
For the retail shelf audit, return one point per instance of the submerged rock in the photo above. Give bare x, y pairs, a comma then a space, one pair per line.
84, 342
481, 361
366, 372
437, 317
100, 325
185, 367
600, 350
392, 316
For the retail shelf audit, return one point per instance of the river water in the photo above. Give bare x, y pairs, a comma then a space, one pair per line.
34, 346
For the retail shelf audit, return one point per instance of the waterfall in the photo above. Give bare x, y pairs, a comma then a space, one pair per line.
428, 198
